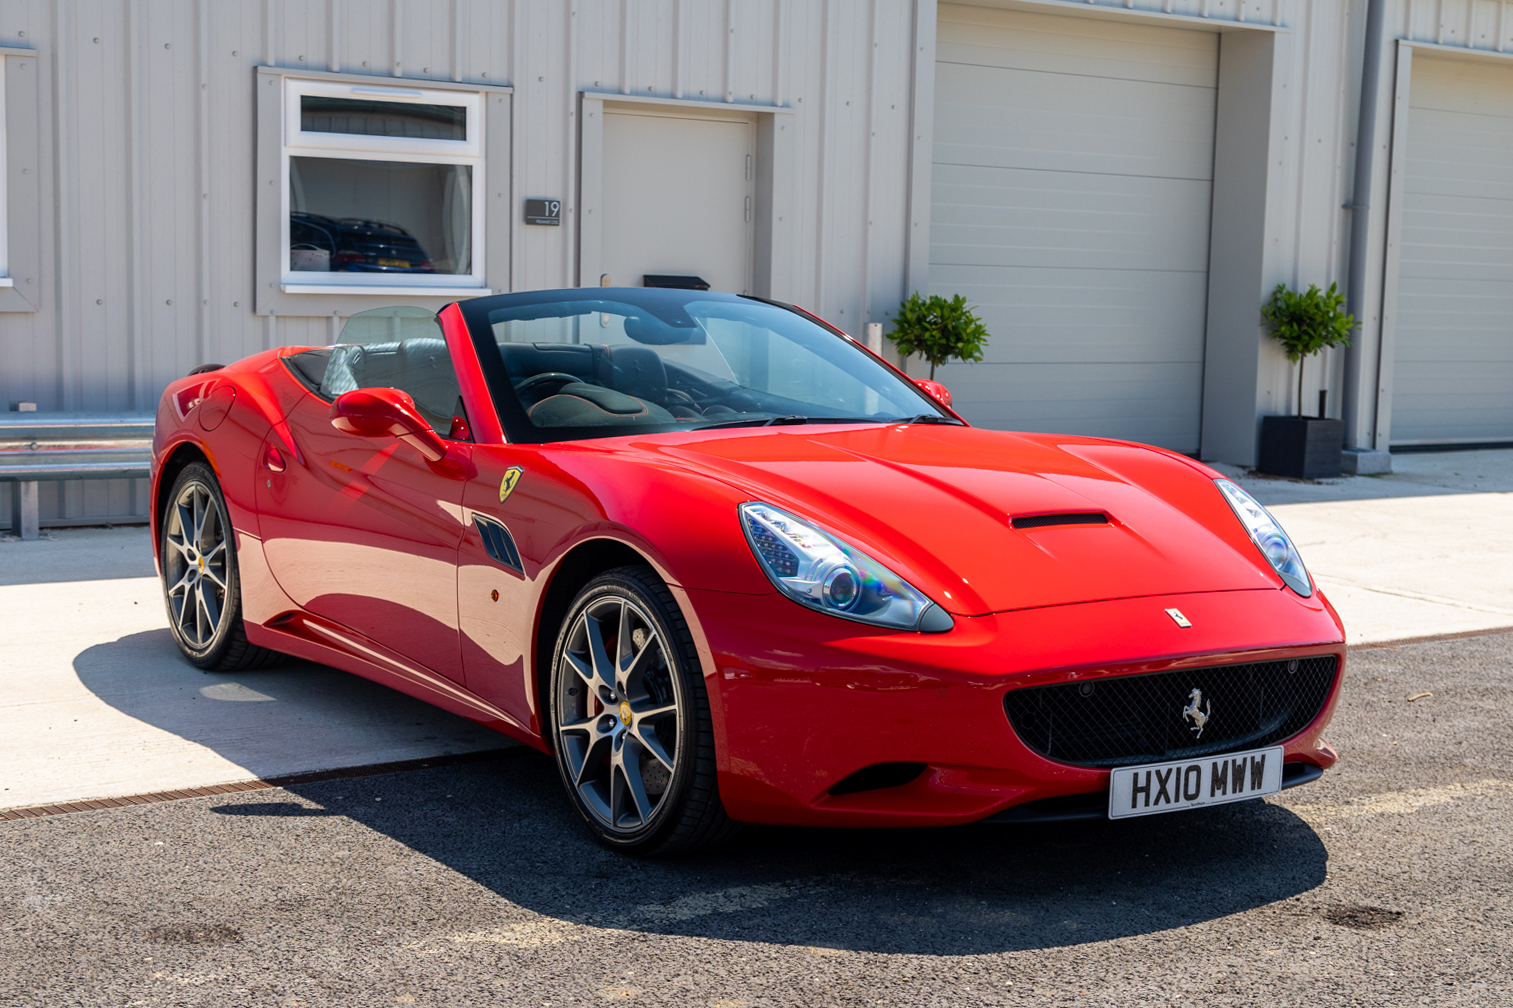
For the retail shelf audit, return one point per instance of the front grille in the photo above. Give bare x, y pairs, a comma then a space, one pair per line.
1124, 720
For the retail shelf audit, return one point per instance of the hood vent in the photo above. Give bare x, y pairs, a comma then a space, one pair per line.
1076, 518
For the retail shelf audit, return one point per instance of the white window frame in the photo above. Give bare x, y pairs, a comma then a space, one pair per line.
296, 142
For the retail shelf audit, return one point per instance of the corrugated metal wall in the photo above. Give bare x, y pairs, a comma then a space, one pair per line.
147, 132
144, 151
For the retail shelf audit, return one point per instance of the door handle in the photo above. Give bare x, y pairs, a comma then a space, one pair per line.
273, 460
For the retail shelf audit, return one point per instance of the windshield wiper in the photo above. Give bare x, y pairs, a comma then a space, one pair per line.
929, 418
768, 422
796, 419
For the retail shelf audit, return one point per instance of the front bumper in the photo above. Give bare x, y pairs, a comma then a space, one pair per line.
801, 700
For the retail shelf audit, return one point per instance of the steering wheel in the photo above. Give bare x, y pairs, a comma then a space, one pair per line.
543, 378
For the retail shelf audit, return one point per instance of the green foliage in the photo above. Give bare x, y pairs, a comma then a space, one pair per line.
938, 330
1307, 323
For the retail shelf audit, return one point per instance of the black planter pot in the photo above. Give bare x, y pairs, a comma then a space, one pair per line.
1301, 447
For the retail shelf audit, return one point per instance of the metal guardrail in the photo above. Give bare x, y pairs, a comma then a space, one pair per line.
68, 446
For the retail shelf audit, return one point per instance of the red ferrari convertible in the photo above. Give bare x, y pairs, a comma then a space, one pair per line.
727, 566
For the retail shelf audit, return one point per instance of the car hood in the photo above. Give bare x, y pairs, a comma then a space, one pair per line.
936, 504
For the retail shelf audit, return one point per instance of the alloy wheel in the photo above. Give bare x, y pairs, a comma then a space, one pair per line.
619, 711
195, 564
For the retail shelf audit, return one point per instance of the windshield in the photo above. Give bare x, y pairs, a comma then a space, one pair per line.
602, 362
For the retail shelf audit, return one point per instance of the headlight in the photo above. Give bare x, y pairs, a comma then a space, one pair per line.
1268, 537
815, 569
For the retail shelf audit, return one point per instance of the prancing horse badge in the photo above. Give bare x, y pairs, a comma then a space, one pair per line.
1175, 614
507, 485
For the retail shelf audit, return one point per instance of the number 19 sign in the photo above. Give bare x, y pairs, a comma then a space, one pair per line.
543, 211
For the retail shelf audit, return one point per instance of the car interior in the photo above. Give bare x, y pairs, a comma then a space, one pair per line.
420, 366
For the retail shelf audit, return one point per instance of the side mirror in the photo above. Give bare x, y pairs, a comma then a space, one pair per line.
386, 412
935, 390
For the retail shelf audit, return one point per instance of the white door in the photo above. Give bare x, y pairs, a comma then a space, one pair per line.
677, 199
1453, 376
1071, 184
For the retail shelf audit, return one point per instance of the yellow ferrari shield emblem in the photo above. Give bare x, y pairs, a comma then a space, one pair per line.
507, 485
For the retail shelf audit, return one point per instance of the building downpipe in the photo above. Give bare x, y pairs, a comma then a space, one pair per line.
1363, 459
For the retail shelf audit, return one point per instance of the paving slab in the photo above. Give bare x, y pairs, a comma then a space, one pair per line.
98, 703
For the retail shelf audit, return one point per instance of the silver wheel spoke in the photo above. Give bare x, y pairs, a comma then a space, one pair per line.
623, 643
648, 653
604, 669
582, 668
635, 787
182, 583
196, 518
648, 740
592, 754
210, 605
186, 520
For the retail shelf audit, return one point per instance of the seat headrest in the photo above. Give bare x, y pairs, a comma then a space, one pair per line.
634, 370
522, 360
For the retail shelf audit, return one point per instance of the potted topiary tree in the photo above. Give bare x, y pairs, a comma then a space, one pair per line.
1305, 324
938, 330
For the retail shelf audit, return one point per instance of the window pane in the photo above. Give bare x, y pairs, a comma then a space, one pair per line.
318, 114
350, 216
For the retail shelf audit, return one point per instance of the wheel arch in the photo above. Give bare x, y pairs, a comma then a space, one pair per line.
180, 457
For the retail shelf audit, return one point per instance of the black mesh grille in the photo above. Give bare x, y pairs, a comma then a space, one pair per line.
1124, 720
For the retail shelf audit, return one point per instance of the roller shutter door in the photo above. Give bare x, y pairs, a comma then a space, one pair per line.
1453, 375
1073, 162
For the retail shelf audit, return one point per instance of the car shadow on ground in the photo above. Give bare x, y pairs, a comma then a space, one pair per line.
505, 825
292, 718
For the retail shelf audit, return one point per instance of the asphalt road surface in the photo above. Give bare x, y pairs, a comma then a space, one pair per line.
1389, 882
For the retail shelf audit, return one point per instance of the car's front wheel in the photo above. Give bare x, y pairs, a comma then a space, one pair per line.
200, 585
630, 716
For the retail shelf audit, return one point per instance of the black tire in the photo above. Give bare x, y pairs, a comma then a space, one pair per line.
201, 588
601, 729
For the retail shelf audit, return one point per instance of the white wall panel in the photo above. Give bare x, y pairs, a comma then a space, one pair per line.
1071, 189
1453, 380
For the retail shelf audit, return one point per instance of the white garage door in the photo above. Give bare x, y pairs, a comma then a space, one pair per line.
1072, 171
1453, 378
677, 198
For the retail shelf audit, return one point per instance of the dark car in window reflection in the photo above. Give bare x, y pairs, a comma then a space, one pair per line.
353, 245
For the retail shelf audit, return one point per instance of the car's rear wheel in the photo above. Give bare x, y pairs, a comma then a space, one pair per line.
200, 585
630, 717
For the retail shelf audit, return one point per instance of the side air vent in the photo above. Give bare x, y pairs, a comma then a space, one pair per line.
498, 542
878, 776
1075, 518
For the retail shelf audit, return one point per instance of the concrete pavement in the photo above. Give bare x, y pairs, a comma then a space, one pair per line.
96, 701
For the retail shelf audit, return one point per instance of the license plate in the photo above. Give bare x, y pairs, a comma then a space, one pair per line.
393, 262
1185, 784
